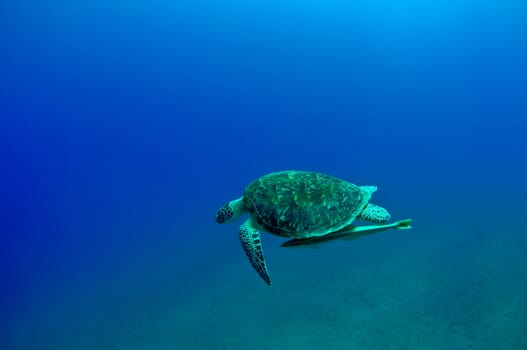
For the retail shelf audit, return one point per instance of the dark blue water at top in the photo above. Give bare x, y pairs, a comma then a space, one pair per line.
125, 125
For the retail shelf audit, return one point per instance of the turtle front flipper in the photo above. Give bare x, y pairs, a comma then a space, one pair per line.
251, 243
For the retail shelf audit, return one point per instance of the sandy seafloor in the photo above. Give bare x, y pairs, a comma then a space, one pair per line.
455, 285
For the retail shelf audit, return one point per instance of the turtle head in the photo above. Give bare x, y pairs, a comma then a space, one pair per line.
230, 211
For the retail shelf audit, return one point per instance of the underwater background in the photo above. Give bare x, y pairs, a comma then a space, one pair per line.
125, 125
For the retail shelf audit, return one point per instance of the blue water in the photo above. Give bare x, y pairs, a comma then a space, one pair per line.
125, 125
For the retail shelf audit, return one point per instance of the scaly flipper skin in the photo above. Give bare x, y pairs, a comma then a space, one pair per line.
375, 213
252, 245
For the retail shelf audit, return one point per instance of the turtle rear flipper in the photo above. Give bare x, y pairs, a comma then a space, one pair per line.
252, 245
375, 213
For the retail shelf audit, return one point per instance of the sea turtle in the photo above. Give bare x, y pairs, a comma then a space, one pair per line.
307, 206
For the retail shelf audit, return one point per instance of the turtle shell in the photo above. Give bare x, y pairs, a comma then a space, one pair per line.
302, 204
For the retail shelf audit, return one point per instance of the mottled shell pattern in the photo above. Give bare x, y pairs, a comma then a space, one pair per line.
301, 204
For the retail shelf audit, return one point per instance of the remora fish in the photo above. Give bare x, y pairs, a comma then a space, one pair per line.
353, 232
